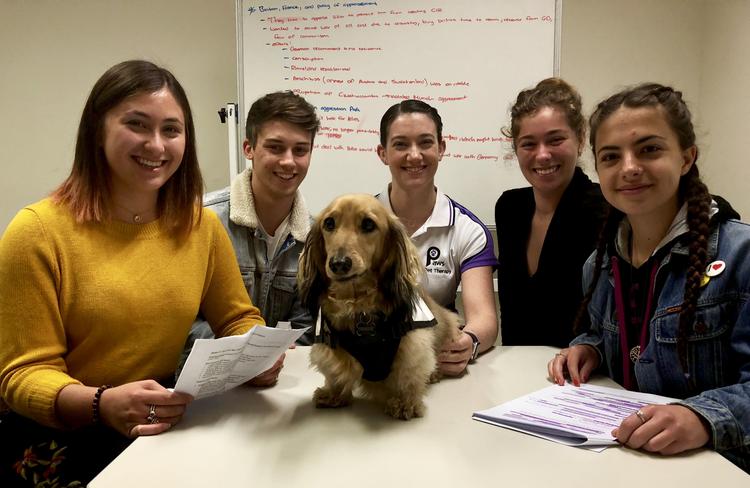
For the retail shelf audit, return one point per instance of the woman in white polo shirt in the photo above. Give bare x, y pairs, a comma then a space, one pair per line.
454, 244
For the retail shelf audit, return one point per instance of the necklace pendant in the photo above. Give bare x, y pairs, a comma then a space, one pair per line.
635, 353
137, 219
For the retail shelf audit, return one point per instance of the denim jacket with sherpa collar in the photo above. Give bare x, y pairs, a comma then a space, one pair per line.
272, 285
718, 355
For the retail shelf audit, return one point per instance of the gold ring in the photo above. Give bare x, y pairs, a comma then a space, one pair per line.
152, 418
559, 354
641, 416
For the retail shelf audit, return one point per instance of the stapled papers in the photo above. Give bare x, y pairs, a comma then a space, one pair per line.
575, 416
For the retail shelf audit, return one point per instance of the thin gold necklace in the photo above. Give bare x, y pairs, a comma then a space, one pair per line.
137, 218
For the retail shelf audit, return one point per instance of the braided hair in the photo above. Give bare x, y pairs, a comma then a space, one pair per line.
695, 193
691, 190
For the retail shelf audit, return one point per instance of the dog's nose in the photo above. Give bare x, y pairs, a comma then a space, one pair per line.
340, 264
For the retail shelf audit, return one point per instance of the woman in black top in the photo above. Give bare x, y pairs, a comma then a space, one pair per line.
545, 232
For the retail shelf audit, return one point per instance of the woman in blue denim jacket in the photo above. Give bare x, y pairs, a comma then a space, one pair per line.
667, 308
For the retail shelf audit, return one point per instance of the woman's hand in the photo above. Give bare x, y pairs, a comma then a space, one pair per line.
270, 376
666, 429
579, 361
455, 355
126, 408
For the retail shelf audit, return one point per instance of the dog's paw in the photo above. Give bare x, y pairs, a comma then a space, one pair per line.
436, 376
400, 409
325, 398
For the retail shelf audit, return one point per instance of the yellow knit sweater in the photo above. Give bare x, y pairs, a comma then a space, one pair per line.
106, 303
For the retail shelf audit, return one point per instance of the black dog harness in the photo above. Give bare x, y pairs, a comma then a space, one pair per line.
375, 339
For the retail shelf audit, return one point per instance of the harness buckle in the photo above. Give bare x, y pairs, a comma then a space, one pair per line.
366, 325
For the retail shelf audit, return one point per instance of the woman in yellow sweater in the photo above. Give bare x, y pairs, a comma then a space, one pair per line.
100, 282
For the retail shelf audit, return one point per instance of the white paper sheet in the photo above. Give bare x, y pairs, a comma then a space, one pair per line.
217, 365
576, 416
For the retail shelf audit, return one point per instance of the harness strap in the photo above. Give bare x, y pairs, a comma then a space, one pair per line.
374, 341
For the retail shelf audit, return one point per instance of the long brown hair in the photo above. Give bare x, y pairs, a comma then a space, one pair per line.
691, 190
87, 189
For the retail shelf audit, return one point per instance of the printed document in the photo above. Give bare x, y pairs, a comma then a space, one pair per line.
217, 365
575, 416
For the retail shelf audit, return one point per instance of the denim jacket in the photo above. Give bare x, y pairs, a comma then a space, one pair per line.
272, 285
718, 353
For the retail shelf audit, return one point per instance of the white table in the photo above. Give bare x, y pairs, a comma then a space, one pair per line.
276, 438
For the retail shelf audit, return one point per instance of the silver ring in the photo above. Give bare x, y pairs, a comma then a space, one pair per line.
641, 416
152, 418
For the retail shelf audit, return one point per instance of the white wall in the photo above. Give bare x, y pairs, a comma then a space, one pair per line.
52, 53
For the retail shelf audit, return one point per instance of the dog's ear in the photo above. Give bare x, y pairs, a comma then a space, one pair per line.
401, 268
311, 274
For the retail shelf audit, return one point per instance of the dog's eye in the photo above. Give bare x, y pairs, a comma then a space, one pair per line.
368, 225
329, 224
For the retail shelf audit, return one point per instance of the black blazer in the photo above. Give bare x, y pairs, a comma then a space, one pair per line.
540, 310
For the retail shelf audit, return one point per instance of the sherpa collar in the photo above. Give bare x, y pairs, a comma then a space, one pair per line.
242, 207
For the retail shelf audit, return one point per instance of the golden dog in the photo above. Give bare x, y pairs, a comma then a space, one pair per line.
361, 270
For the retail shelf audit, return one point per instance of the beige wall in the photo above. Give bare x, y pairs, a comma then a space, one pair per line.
697, 46
609, 44
53, 51
725, 101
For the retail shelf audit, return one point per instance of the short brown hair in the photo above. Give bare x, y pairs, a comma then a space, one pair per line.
87, 189
281, 105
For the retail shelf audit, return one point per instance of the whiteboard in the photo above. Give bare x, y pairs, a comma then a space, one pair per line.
354, 59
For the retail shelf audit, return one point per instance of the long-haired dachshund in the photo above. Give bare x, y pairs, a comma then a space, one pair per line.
379, 331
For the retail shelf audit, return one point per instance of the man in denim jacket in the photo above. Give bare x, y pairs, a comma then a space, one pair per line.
264, 211
717, 383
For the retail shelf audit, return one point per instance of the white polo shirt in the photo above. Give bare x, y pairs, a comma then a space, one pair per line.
451, 241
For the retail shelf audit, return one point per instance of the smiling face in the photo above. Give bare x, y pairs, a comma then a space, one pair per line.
412, 151
547, 150
640, 162
281, 157
143, 142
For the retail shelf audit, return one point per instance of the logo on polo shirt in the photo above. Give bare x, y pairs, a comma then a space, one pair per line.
433, 254
434, 264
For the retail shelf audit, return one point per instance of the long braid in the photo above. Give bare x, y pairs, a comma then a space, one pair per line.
698, 201
606, 234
